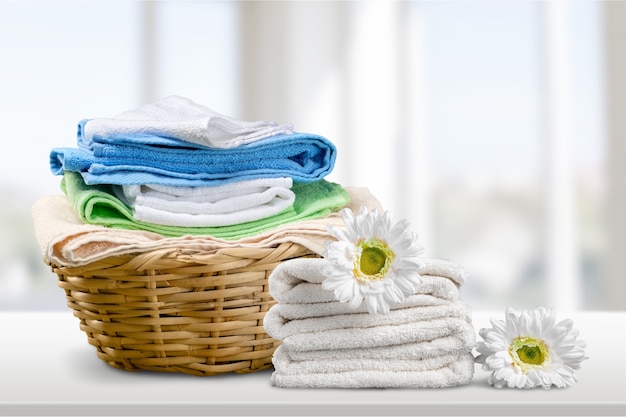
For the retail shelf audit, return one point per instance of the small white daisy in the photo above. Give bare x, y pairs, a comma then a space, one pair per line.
530, 349
372, 260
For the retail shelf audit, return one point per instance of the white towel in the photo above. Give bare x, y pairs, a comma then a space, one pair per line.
223, 205
437, 291
425, 342
354, 337
66, 241
458, 342
181, 118
452, 371
160, 195
299, 281
308, 296
284, 362
279, 327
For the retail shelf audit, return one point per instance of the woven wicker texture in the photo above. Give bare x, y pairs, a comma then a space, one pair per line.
166, 311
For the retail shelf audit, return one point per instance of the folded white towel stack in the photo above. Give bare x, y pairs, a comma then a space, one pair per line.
425, 342
222, 205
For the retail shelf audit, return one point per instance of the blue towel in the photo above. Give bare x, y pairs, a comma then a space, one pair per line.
149, 159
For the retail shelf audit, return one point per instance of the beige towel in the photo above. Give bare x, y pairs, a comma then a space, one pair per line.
65, 240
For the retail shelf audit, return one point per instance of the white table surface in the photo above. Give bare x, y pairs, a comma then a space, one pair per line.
48, 368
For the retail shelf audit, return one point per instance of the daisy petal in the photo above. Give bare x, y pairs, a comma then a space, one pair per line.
530, 349
374, 258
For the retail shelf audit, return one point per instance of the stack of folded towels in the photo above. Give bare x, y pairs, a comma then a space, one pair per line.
176, 168
174, 174
425, 342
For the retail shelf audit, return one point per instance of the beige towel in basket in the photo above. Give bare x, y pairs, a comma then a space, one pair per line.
65, 240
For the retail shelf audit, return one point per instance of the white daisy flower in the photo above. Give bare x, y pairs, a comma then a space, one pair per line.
530, 349
372, 260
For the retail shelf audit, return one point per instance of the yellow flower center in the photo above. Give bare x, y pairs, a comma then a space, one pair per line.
373, 261
529, 353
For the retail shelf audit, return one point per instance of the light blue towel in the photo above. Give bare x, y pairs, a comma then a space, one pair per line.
149, 159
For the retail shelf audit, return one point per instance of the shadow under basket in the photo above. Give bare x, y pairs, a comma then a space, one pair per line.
171, 311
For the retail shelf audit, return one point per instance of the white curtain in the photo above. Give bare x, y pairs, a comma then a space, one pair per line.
615, 284
356, 72
345, 70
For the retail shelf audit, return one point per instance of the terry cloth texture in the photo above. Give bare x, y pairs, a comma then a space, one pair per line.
64, 239
281, 327
181, 118
425, 342
299, 281
97, 205
145, 159
438, 372
358, 331
224, 205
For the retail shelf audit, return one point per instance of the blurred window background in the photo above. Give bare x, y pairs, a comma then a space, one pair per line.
486, 124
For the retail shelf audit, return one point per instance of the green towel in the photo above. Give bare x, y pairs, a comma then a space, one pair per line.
96, 204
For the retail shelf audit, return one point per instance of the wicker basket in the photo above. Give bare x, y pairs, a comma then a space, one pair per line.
168, 311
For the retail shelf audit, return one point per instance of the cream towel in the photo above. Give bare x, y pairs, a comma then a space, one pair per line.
65, 240
438, 372
223, 205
